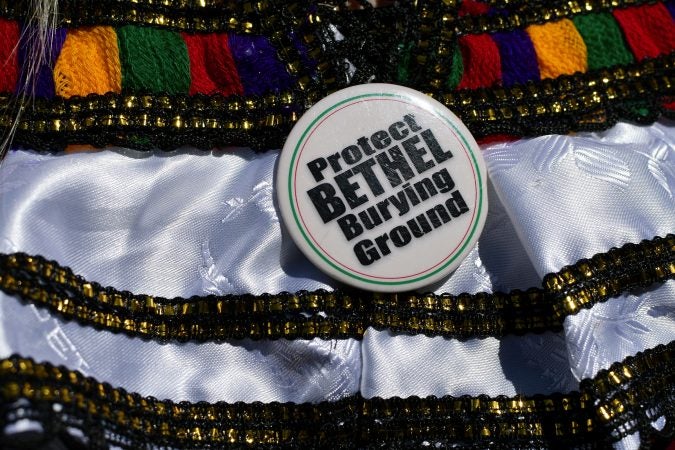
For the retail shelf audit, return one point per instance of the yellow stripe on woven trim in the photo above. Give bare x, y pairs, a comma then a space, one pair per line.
89, 63
559, 47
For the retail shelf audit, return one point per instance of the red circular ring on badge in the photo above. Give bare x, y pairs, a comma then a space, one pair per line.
382, 188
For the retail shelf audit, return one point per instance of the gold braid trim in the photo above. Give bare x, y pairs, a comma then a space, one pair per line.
247, 16
375, 42
580, 102
331, 315
619, 401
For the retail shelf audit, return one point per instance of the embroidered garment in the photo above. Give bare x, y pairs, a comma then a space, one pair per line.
240, 73
151, 297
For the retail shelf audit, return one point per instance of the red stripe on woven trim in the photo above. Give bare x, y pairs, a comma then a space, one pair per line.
496, 138
649, 30
473, 8
9, 60
482, 63
212, 68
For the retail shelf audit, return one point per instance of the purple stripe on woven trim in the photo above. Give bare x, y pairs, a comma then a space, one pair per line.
43, 79
302, 51
494, 12
259, 68
671, 8
519, 61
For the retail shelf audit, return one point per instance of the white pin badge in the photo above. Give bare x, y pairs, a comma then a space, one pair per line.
382, 188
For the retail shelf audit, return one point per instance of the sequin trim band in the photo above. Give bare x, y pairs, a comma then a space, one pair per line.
580, 102
225, 15
329, 315
183, 15
620, 401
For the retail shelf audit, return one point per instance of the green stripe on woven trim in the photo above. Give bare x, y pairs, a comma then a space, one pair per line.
457, 68
403, 69
604, 41
153, 60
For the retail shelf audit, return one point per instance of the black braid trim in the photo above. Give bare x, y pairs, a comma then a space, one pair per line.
339, 314
618, 402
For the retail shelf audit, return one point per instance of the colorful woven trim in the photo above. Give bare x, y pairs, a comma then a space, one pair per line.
622, 400
510, 68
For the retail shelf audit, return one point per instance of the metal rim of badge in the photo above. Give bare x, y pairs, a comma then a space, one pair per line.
382, 188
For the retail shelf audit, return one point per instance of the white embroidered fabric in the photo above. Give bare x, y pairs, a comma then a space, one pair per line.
572, 197
196, 223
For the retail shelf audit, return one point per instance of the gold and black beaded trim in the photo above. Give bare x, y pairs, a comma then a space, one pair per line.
577, 102
524, 13
609, 274
182, 15
250, 16
624, 393
620, 401
330, 315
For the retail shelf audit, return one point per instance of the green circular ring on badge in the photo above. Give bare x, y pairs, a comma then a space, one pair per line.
382, 188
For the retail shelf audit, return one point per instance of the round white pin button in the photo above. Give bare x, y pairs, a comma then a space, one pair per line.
382, 187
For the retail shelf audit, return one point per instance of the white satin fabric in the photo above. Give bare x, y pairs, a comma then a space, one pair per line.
183, 225
193, 223
571, 197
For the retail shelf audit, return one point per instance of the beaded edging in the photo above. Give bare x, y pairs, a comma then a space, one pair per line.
619, 401
331, 315
195, 16
225, 15
587, 102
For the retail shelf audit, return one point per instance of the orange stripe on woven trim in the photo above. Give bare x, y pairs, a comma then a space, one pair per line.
9, 61
649, 30
89, 63
559, 47
80, 148
212, 68
482, 63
